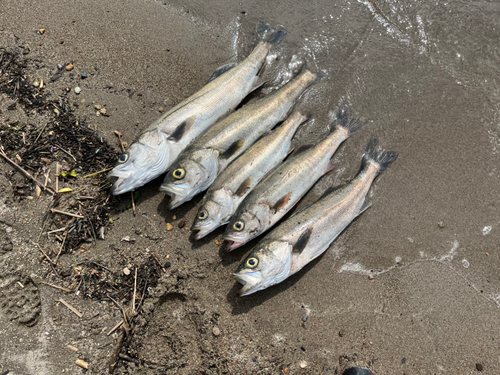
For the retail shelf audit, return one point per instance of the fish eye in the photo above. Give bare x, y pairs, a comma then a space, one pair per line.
123, 158
239, 225
252, 262
179, 173
203, 214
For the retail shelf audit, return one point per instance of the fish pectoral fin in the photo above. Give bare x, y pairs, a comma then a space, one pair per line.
331, 189
302, 241
282, 202
182, 129
244, 187
233, 149
221, 70
364, 207
303, 148
330, 166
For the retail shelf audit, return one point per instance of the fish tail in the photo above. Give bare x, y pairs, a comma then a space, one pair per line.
269, 35
345, 120
304, 69
378, 156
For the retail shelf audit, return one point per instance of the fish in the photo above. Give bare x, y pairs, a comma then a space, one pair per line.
310, 232
278, 192
240, 177
155, 149
199, 164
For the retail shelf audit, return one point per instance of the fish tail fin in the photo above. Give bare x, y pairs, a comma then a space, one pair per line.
344, 119
269, 35
375, 154
304, 69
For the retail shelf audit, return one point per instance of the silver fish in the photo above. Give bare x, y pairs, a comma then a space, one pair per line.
283, 187
198, 165
309, 232
159, 145
239, 179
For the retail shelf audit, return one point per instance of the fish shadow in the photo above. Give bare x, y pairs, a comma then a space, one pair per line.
242, 305
180, 212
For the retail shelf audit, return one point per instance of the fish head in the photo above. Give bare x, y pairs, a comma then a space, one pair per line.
268, 265
245, 226
208, 218
188, 177
144, 160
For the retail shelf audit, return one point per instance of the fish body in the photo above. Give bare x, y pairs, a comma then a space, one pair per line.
160, 144
198, 165
278, 192
240, 177
309, 232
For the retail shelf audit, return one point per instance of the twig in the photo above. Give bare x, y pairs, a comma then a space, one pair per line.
77, 313
56, 211
57, 176
46, 256
125, 319
93, 174
55, 230
116, 353
135, 290
156, 258
133, 203
57, 287
127, 358
41, 131
27, 174
119, 135
66, 152
115, 327
62, 245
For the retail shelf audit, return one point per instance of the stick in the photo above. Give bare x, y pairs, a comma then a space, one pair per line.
56, 211
46, 256
135, 290
66, 152
115, 327
62, 245
55, 230
156, 258
119, 135
133, 203
27, 174
93, 174
116, 353
57, 287
57, 176
77, 313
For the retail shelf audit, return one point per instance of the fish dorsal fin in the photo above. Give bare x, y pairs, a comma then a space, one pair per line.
244, 187
233, 149
282, 202
179, 132
303, 148
221, 70
302, 241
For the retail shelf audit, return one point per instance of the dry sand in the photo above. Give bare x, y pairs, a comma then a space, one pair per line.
426, 73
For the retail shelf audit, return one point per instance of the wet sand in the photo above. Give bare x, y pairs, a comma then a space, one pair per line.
426, 74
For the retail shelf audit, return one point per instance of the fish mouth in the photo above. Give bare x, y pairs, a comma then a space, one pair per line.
119, 180
250, 282
176, 199
232, 245
201, 232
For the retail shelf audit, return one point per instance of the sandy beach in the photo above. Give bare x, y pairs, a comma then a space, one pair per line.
411, 287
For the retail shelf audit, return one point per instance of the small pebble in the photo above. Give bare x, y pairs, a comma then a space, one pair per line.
169, 226
160, 110
286, 370
70, 67
126, 271
36, 84
78, 90
59, 67
167, 265
371, 277
174, 217
216, 331
84, 75
479, 367
182, 223
41, 31
303, 364
103, 111
217, 242
440, 224
98, 106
